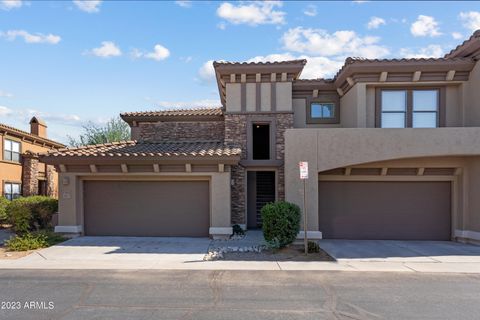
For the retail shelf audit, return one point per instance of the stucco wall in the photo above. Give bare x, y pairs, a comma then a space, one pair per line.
12, 172
71, 190
327, 149
471, 97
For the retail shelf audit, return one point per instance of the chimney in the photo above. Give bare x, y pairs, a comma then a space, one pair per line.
38, 127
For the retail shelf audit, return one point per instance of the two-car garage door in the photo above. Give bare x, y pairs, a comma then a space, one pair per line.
394, 210
146, 208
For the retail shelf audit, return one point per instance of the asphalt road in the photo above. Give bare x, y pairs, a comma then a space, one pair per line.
107, 294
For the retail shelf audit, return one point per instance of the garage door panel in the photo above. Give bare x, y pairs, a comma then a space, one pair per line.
385, 210
146, 208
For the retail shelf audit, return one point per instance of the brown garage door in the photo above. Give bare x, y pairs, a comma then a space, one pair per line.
146, 208
384, 210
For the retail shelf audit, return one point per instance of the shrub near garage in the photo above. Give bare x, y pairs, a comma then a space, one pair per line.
280, 223
31, 213
4, 202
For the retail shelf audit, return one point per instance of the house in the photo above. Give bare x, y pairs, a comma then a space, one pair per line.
21, 173
393, 148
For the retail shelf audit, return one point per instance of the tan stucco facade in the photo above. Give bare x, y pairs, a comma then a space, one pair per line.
12, 171
327, 149
71, 196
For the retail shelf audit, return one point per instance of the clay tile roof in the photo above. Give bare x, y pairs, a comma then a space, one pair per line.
176, 113
267, 63
15, 131
473, 37
149, 149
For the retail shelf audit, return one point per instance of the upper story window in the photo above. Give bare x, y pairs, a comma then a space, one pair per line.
409, 108
11, 150
322, 112
260, 141
12, 190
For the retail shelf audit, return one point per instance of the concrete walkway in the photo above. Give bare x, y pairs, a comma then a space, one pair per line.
188, 253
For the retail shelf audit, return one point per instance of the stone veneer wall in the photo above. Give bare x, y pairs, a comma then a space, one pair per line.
181, 131
236, 132
29, 175
50, 175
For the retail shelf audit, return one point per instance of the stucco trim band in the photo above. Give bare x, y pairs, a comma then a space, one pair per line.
312, 235
68, 229
467, 234
220, 231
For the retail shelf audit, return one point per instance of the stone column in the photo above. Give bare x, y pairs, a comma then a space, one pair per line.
29, 174
50, 175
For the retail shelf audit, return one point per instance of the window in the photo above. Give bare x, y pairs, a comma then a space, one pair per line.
12, 190
11, 150
260, 141
322, 112
416, 108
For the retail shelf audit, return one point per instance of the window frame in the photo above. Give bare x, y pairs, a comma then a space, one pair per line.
12, 194
4, 151
327, 99
409, 104
261, 120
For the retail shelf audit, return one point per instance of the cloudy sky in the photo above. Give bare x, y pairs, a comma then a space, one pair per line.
70, 62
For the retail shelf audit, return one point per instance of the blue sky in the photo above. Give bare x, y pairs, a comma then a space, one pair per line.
76, 61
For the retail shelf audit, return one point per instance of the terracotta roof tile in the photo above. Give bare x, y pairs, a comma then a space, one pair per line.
12, 130
148, 149
176, 112
267, 63
474, 36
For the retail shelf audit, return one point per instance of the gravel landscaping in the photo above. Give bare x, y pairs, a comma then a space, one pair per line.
252, 247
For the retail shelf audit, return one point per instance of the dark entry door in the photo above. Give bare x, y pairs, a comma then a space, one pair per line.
260, 191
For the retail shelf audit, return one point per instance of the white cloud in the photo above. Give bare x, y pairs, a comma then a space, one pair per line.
31, 38
106, 50
360, 1
319, 42
222, 25
90, 6
310, 11
186, 59
457, 35
425, 26
159, 53
430, 51
316, 67
252, 13
4, 111
5, 94
184, 3
375, 22
203, 103
8, 5
471, 20
207, 72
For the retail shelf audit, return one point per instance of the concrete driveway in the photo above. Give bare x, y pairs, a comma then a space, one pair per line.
136, 252
401, 251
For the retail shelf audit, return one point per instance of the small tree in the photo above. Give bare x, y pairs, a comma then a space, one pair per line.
115, 130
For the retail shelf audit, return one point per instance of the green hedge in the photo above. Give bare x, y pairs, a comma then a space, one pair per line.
280, 223
4, 202
31, 213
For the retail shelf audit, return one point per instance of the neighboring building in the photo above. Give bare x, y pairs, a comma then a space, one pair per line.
21, 174
393, 148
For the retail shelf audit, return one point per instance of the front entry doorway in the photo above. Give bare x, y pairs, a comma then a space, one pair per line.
260, 191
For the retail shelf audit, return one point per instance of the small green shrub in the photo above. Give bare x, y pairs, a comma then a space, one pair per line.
34, 240
313, 247
31, 213
238, 230
280, 222
27, 241
3, 209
